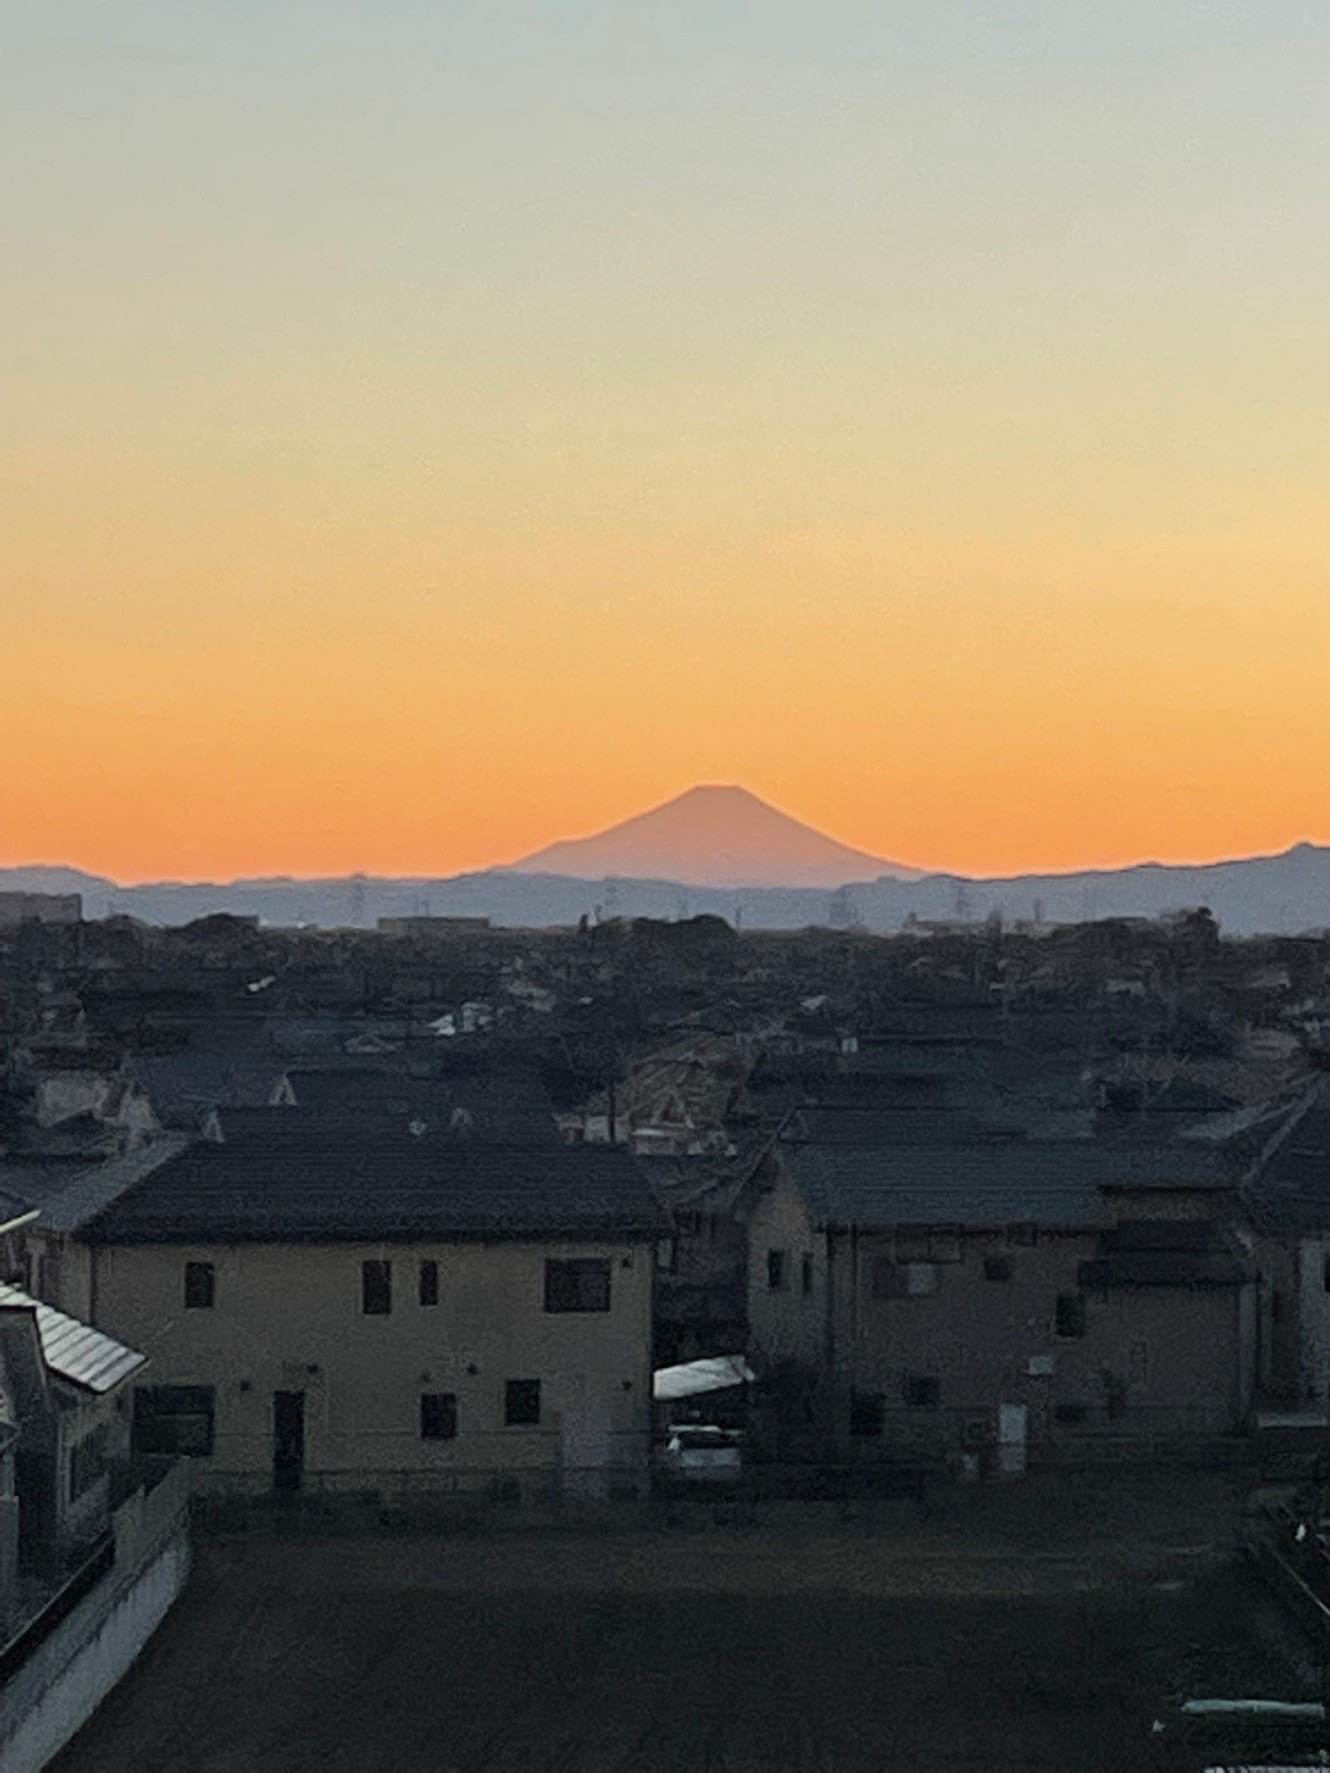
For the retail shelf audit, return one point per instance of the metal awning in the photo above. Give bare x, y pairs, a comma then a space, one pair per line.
74, 1350
697, 1378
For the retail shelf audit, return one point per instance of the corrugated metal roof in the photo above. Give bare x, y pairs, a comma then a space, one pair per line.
74, 1350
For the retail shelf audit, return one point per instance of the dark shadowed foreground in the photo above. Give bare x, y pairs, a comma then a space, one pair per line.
931, 1648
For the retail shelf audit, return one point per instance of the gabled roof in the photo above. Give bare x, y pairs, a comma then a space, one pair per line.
1019, 1182
1288, 1187
74, 1350
508, 1106
93, 1189
378, 1190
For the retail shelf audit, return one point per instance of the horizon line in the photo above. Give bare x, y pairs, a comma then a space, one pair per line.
917, 876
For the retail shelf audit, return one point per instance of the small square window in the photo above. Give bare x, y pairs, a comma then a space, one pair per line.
806, 1275
376, 1288
1070, 1413
944, 1244
913, 1245
521, 1403
1069, 1315
438, 1415
923, 1391
775, 1270
429, 1281
200, 1286
997, 1268
868, 1415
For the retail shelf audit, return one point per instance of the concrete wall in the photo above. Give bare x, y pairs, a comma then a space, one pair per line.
46, 1701
290, 1318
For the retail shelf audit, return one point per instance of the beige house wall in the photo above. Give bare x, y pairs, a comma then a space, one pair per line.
785, 1324
1172, 1359
288, 1317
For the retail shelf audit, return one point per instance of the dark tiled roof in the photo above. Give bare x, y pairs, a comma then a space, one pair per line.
1165, 1253
377, 1190
182, 1087
984, 1184
508, 1106
1289, 1188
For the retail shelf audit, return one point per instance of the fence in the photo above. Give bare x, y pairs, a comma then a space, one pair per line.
70, 1654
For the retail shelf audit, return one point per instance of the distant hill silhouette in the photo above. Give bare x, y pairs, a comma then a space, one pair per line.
1258, 895
712, 836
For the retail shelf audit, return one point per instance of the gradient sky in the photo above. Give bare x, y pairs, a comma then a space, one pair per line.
429, 429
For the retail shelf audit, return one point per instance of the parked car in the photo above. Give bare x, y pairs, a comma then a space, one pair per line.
702, 1451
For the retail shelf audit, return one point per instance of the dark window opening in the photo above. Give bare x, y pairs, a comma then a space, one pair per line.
944, 1244
923, 1391
429, 1281
200, 1286
806, 1275
174, 1419
1325, 1275
582, 1285
913, 1245
521, 1403
1023, 1236
868, 1415
87, 1461
775, 1270
1070, 1413
1069, 1315
376, 1288
438, 1415
997, 1268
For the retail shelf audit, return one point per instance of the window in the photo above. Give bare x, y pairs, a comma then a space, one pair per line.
922, 1391
868, 1415
429, 1281
174, 1419
438, 1415
903, 1280
521, 1403
87, 1461
944, 1244
578, 1286
1325, 1274
200, 1286
1023, 1236
997, 1268
1070, 1413
376, 1288
1069, 1315
912, 1244
806, 1275
775, 1270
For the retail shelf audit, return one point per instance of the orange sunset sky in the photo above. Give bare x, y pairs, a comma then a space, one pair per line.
430, 430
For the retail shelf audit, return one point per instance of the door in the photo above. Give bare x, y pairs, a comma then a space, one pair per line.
288, 1439
1013, 1432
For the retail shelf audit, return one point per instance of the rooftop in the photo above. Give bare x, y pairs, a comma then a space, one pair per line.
994, 1183
74, 1350
372, 1189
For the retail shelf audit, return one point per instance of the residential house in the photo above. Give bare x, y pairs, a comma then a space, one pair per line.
65, 1431
341, 1302
934, 1297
